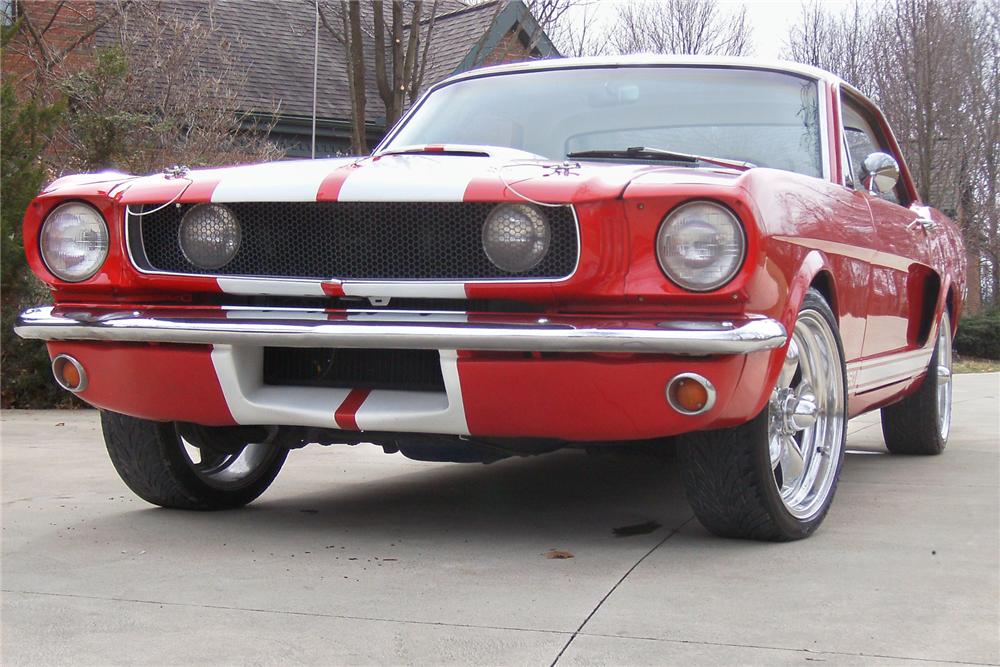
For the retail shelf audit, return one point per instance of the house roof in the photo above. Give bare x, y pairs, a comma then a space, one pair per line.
275, 41
455, 35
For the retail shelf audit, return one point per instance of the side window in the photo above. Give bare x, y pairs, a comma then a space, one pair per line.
862, 140
845, 159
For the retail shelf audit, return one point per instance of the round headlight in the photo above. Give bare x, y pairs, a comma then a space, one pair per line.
700, 246
209, 235
74, 241
516, 237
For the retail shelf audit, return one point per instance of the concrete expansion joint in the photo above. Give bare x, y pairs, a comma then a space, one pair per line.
617, 584
284, 612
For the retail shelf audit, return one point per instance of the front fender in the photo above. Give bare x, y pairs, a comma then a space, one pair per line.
771, 283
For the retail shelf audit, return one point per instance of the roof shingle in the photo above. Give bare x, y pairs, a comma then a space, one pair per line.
274, 40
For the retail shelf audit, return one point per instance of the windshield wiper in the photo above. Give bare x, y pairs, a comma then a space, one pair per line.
660, 154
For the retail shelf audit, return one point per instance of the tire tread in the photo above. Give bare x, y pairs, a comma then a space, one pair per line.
722, 485
910, 427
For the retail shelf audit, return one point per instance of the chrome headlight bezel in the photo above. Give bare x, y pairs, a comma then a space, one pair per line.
231, 248
537, 248
98, 227
718, 271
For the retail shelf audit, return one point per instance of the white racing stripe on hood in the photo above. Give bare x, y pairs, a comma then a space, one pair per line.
296, 180
412, 178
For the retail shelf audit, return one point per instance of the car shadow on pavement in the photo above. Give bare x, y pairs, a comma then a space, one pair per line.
568, 494
562, 498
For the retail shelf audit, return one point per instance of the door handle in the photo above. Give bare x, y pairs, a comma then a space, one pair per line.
925, 224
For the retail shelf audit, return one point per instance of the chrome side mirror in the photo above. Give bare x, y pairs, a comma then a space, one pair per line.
879, 173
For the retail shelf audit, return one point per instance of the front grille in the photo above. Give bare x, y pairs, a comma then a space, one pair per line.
412, 370
353, 241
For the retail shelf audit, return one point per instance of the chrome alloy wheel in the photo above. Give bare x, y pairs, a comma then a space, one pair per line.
944, 376
806, 417
228, 470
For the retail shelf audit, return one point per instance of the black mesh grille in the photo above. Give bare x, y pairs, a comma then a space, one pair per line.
354, 241
413, 370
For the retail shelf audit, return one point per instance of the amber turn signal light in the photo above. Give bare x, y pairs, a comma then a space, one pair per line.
69, 373
690, 394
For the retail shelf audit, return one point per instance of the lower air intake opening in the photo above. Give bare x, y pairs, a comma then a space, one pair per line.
407, 370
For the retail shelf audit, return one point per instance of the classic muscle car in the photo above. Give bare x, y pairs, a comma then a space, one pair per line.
723, 255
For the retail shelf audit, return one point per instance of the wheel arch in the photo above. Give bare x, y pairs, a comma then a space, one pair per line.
941, 295
823, 283
814, 272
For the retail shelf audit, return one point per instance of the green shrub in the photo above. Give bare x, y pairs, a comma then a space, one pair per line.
979, 336
27, 125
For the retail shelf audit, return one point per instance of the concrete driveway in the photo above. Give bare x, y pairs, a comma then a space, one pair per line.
356, 557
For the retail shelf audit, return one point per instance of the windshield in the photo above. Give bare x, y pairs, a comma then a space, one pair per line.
769, 119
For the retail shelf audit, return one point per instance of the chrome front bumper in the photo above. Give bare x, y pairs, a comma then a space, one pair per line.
301, 327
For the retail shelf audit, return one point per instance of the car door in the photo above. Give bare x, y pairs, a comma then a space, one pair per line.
900, 265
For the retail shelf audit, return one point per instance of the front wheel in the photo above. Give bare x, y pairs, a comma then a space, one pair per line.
188, 466
774, 477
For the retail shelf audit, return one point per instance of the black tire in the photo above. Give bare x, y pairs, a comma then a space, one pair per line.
729, 477
914, 425
153, 462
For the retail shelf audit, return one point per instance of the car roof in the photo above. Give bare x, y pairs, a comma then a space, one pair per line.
653, 60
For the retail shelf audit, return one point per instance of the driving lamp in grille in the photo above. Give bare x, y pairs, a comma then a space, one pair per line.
74, 241
209, 235
516, 237
700, 246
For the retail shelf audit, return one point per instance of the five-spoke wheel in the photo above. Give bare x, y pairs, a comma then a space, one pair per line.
805, 416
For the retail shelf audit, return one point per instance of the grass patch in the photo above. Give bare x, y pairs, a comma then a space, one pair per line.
974, 365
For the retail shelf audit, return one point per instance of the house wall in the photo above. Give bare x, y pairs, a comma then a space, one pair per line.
60, 25
512, 48
64, 23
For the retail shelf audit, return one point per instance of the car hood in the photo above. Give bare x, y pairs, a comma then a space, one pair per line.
421, 177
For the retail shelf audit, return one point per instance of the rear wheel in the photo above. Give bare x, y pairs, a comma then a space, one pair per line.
191, 467
774, 477
920, 423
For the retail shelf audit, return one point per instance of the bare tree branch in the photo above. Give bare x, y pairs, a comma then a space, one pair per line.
933, 66
418, 78
381, 77
680, 26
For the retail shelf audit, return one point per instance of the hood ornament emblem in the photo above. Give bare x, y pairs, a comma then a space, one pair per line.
176, 171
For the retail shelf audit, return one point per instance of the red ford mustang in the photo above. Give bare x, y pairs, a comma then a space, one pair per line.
561, 253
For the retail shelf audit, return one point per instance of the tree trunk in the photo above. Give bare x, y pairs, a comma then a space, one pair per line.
359, 140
